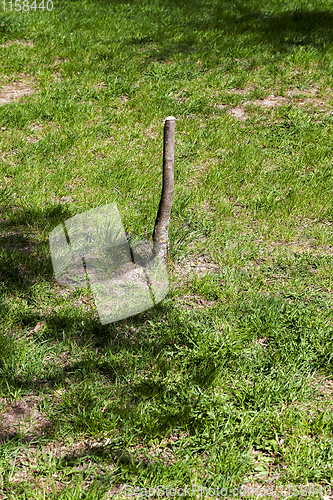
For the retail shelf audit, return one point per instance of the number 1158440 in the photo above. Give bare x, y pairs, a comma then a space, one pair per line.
25, 5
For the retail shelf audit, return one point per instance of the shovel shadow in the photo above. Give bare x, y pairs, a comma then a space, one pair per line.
124, 278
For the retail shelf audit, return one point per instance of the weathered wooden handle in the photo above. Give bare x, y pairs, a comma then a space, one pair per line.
160, 235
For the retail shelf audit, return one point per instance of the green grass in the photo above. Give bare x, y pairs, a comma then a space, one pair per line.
220, 384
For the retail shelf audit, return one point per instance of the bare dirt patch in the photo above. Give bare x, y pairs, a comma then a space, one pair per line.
327, 388
22, 417
17, 89
32, 139
269, 102
10, 43
295, 97
37, 130
185, 269
37, 127
194, 301
29, 464
238, 113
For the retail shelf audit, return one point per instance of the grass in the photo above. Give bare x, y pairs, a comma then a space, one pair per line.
227, 381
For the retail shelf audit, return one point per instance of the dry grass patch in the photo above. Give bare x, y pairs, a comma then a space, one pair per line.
11, 43
21, 87
295, 97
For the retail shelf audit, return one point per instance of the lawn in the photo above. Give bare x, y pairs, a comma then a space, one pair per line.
228, 381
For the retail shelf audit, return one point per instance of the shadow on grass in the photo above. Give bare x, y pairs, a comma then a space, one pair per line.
24, 246
26, 269
210, 26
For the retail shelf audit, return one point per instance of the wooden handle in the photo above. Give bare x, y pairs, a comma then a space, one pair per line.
160, 235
